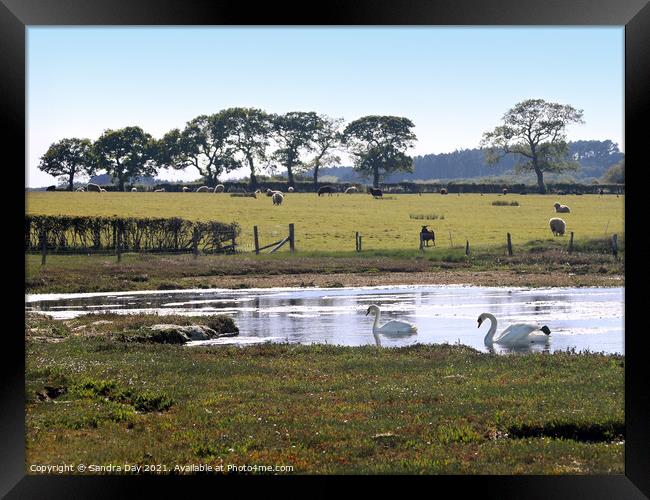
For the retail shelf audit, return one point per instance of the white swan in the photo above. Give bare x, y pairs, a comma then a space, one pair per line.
391, 327
518, 334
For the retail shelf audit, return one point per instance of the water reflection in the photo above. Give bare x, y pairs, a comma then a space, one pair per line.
582, 318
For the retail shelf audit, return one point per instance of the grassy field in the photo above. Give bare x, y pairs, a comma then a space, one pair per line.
93, 398
328, 224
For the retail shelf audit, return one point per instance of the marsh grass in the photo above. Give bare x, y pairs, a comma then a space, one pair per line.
324, 409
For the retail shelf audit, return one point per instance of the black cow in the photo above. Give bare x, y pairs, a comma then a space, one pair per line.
326, 189
428, 235
376, 193
51, 188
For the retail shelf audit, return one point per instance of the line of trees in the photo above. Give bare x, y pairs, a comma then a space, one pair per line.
533, 132
239, 138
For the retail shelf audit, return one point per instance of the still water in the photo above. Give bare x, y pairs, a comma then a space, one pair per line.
580, 318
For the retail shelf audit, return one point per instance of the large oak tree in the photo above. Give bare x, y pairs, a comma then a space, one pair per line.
327, 138
250, 129
534, 131
68, 158
125, 154
202, 144
294, 132
379, 145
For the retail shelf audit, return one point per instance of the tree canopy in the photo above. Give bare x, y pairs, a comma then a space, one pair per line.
67, 158
126, 153
534, 131
204, 144
294, 132
379, 145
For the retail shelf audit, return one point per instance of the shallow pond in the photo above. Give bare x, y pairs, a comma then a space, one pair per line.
580, 318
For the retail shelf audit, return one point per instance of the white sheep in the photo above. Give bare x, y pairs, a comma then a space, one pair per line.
185, 189
277, 198
161, 190
80, 190
134, 190
290, 189
351, 190
102, 190
558, 226
561, 209
219, 188
203, 189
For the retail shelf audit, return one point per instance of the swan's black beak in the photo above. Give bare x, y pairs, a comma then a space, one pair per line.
368, 312
479, 323
546, 330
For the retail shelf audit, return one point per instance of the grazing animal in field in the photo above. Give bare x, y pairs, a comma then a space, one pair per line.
558, 226
102, 190
561, 209
219, 188
443, 191
50, 188
376, 193
505, 191
185, 189
290, 189
134, 190
258, 191
277, 198
80, 190
161, 190
351, 190
428, 235
269, 192
326, 189
203, 189
93, 187
601, 191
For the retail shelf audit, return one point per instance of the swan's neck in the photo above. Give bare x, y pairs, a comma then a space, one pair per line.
489, 338
375, 325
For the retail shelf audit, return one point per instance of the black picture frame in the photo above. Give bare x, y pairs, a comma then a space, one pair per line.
17, 15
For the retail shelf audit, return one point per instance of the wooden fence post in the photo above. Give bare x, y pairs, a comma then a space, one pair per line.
256, 240
509, 245
195, 242
359, 243
451, 241
292, 243
615, 245
421, 242
118, 243
467, 247
356, 241
43, 246
571, 242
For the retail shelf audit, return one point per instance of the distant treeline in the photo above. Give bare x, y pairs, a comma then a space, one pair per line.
595, 158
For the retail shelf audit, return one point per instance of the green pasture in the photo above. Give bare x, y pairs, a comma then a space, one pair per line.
329, 223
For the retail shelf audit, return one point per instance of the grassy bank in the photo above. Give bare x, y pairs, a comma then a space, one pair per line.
328, 224
536, 263
93, 398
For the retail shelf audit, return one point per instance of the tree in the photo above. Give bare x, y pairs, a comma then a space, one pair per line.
294, 132
616, 173
534, 131
379, 145
126, 153
67, 158
249, 136
203, 144
328, 136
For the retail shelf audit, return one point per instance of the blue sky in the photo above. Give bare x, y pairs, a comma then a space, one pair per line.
454, 83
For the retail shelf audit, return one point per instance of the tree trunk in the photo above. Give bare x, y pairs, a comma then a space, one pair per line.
289, 175
375, 177
121, 183
71, 182
253, 178
316, 177
540, 179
